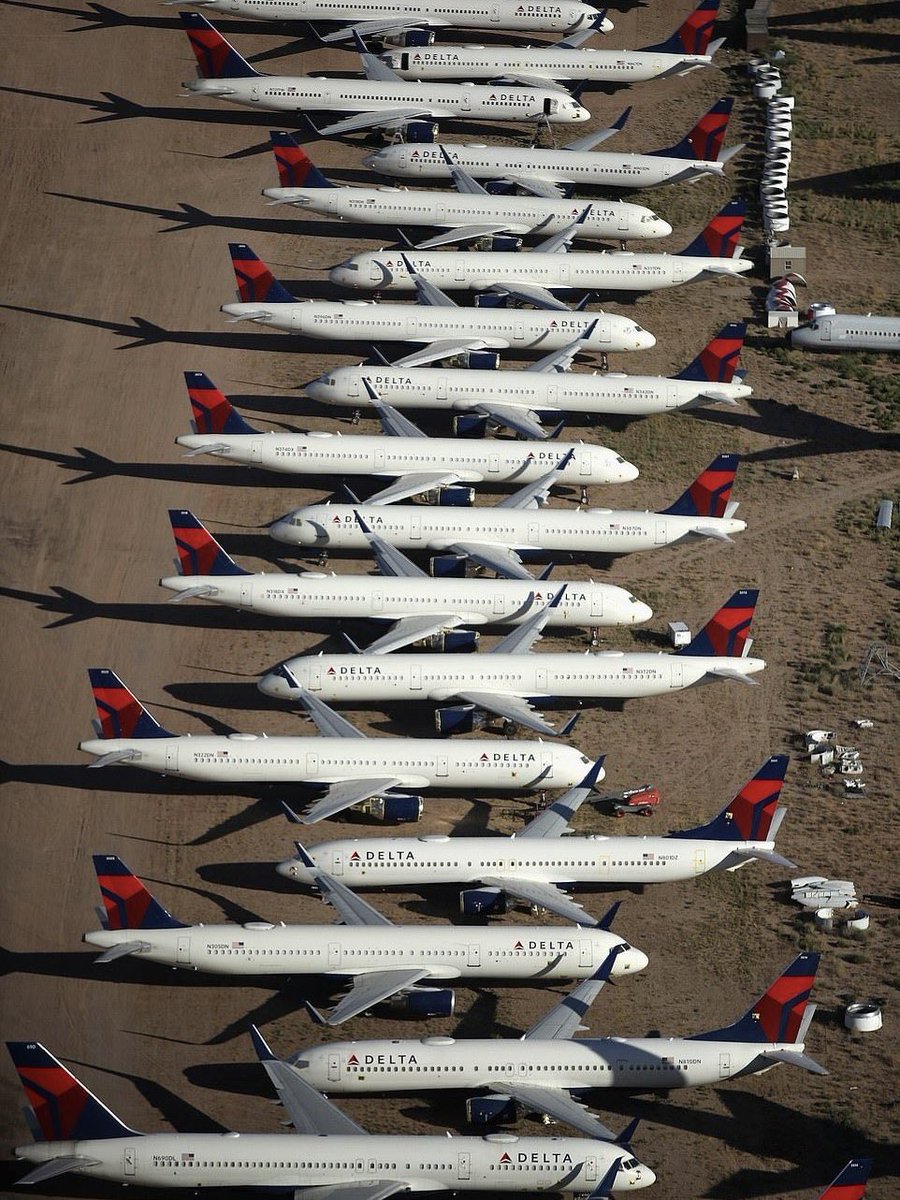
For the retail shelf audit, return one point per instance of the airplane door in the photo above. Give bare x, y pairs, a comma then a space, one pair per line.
459, 272
724, 1065
494, 463
254, 92
590, 1168
129, 1159
334, 1068
337, 863
415, 528
671, 395
495, 13
443, 769
442, 388
676, 679
534, 532
552, 394
415, 677
377, 602
601, 862
379, 459
463, 1165
659, 533
474, 959
334, 954
604, 331
596, 602
547, 764
518, 331
623, 223
677, 271
466, 104
825, 330
499, 606
540, 679
246, 595
586, 954
172, 755
256, 450
183, 952
699, 862
312, 764
315, 677
584, 463
353, 386
564, 272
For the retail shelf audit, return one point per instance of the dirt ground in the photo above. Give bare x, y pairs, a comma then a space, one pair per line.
121, 197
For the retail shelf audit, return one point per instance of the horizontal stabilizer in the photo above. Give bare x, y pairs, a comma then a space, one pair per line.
736, 676
194, 593
212, 448
258, 314
728, 154
58, 1166
714, 397
115, 756
710, 531
794, 1058
122, 951
769, 856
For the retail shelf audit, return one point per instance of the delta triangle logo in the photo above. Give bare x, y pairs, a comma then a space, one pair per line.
354, 857
484, 757
518, 946
330, 671
352, 1061
504, 1158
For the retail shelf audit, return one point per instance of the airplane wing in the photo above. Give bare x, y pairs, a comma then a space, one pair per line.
413, 629
737, 676
379, 1189
557, 1104
520, 420
372, 66
535, 81
544, 895
531, 293
426, 292
309, 1110
437, 350
391, 561
533, 494
563, 1021
520, 639
370, 989
548, 188
462, 233
493, 556
351, 908
462, 180
412, 483
375, 29
511, 708
327, 721
795, 1059
554, 821
561, 360
340, 796
376, 120
114, 756
590, 140
560, 242
392, 422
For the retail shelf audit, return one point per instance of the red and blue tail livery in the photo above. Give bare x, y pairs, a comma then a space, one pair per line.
850, 1183
694, 34
749, 816
708, 495
727, 634
718, 360
127, 902
216, 59
704, 142
198, 551
63, 1109
720, 237
121, 715
211, 409
778, 1015
254, 279
295, 168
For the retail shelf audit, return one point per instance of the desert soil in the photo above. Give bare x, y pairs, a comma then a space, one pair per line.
121, 197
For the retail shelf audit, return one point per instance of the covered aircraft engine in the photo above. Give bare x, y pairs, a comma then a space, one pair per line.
476, 360
421, 131
400, 809
409, 37
456, 496
490, 300
447, 566
455, 641
497, 242
487, 1110
424, 1002
461, 718
477, 902
469, 425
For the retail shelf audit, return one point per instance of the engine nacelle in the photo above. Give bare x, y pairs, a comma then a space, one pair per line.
456, 496
488, 1110
479, 902
400, 809
447, 566
459, 718
421, 131
460, 641
469, 425
409, 37
490, 300
503, 242
477, 360
424, 1002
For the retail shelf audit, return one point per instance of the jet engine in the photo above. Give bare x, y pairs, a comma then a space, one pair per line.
476, 360
478, 902
455, 641
409, 37
469, 425
424, 1002
488, 1110
421, 131
456, 496
399, 809
500, 242
447, 566
460, 718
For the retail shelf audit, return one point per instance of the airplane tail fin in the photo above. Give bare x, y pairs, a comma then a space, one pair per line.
127, 902
254, 279
704, 142
295, 168
198, 551
62, 1108
727, 634
211, 409
750, 815
708, 495
779, 1014
216, 58
720, 237
694, 34
121, 715
718, 360
850, 1182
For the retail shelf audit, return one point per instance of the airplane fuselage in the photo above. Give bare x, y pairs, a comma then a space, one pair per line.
602, 169
454, 390
848, 331
391, 598
517, 215
593, 861
494, 328
609, 675
241, 758
611, 270
567, 16
474, 460
583, 1064
438, 528
621, 67
309, 93
291, 1160
523, 952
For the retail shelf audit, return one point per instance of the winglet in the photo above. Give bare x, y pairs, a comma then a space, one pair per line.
290, 814
261, 1046
625, 1137
609, 916
570, 724
314, 1013
303, 855
850, 1183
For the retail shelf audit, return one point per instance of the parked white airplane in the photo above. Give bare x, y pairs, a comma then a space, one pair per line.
435, 323
379, 959
327, 1152
520, 399
382, 100
534, 276
416, 606
508, 682
417, 463
555, 171
389, 23
469, 212
688, 49
831, 330
549, 1071
544, 862
497, 536
348, 766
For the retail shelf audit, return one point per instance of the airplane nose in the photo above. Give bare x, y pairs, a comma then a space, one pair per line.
640, 612
644, 340
632, 961
663, 228
276, 687
317, 389
287, 529
341, 275
642, 1176
627, 471
291, 868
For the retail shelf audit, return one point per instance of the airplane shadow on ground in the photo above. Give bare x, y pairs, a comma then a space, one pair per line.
879, 182
101, 16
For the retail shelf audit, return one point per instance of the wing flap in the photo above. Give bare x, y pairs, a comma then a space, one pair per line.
368, 990
511, 708
341, 796
559, 1105
520, 420
412, 483
496, 558
545, 895
413, 629
372, 120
